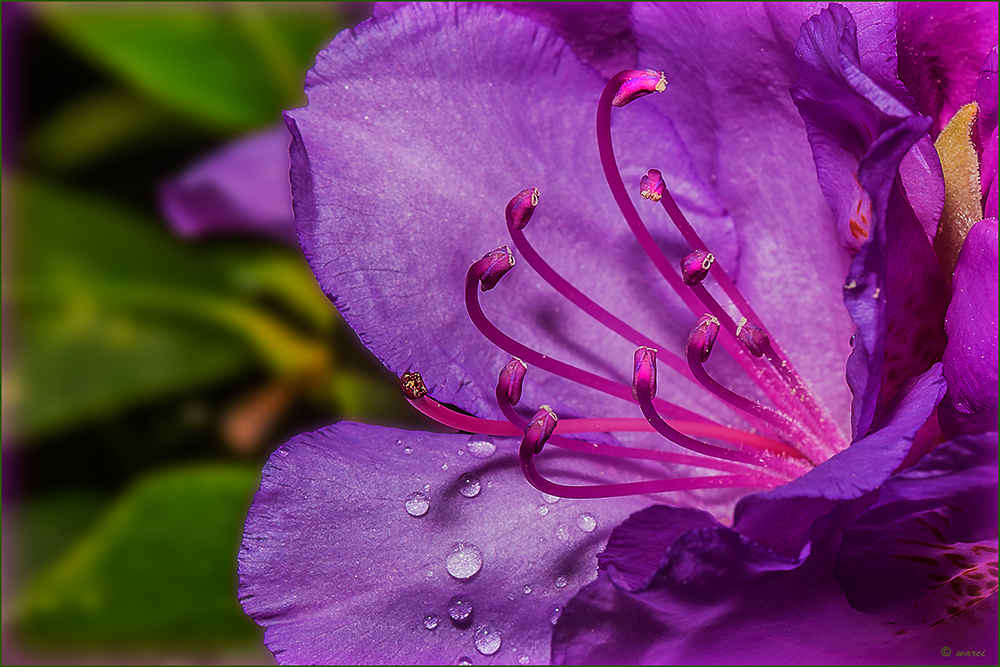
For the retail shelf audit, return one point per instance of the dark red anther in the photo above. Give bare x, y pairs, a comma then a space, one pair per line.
501, 261
652, 186
511, 379
521, 207
412, 385
695, 267
640, 83
752, 336
540, 428
703, 336
644, 373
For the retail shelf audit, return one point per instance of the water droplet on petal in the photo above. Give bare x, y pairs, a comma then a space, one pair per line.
586, 522
469, 485
407, 450
549, 498
464, 560
543, 510
554, 613
561, 582
444, 466
527, 589
282, 451
417, 504
523, 660
481, 446
487, 639
460, 609
511, 597
464, 660
430, 621
562, 532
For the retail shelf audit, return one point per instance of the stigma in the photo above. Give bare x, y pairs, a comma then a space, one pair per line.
785, 430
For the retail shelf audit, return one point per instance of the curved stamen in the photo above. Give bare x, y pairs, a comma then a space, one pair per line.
515, 225
694, 298
540, 429
644, 389
504, 392
699, 348
515, 349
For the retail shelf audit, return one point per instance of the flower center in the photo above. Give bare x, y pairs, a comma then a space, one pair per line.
793, 433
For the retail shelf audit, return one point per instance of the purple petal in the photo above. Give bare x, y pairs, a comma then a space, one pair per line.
339, 570
637, 547
941, 46
970, 360
600, 33
241, 189
781, 519
420, 127
719, 598
934, 526
986, 94
729, 67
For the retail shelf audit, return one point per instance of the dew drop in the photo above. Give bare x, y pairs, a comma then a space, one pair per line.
407, 450
549, 498
444, 466
481, 446
464, 560
511, 597
469, 485
417, 504
586, 522
464, 660
561, 582
555, 611
460, 609
543, 510
282, 451
487, 639
527, 589
562, 532
430, 621
523, 660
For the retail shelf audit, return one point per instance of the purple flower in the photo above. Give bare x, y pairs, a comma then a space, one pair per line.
424, 126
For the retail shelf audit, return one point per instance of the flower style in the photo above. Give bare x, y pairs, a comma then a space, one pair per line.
368, 544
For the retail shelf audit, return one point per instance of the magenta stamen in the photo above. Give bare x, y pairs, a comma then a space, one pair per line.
695, 267
638, 83
643, 386
503, 392
521, 207
541, 427
544, 362
651, 185
583, 302
699, 347
496, 264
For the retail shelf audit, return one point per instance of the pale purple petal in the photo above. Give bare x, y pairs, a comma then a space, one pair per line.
941, 47
339, 568
986, 94
421, 125
970, 360
933, 527
729, 66
241, 189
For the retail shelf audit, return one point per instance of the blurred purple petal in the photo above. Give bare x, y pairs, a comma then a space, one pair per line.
241, 189
970, 360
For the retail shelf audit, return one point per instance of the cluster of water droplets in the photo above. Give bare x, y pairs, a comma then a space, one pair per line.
464, 559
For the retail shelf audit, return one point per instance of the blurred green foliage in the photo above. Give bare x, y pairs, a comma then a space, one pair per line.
152, 376
166, 543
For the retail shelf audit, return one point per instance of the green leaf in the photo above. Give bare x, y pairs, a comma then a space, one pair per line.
159, 569
234, 66
49, 525
114, 311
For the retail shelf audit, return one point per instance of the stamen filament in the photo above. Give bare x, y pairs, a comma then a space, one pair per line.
546, 363
495, 427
